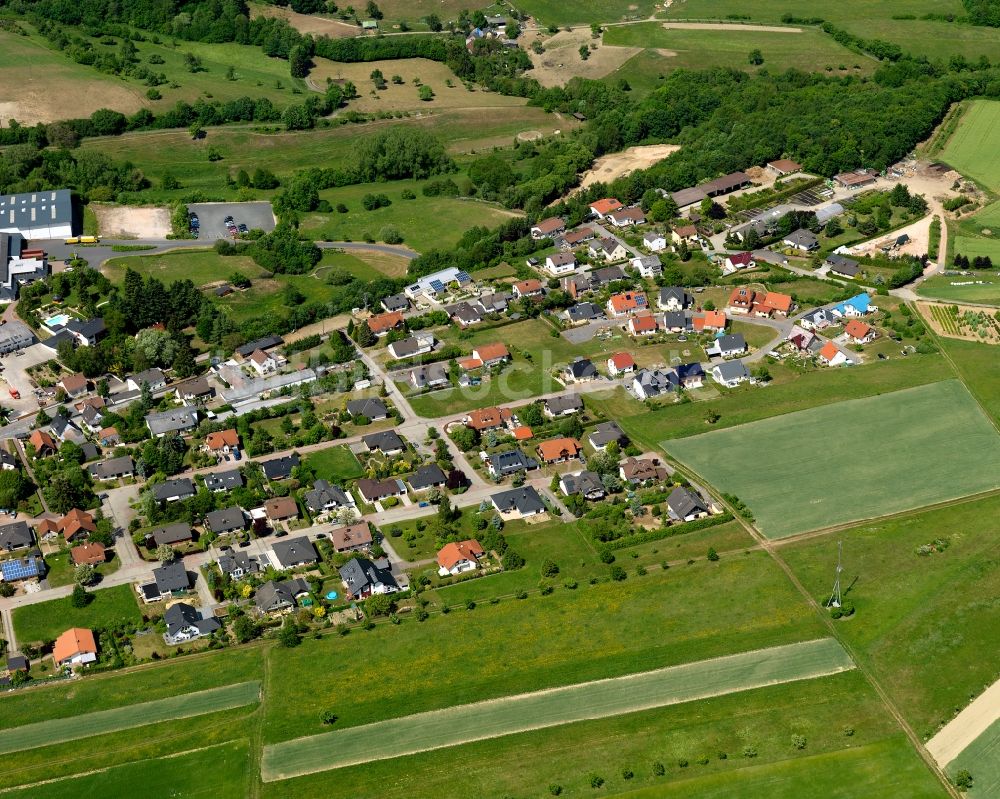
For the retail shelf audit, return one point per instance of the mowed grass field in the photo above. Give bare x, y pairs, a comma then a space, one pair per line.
923, 621
808, 49
220, 771
981, 759
46, 621
583, 12
940, 286
974, 147
709, 736
466, 723
979, 367
853, 460
201, 267
54, 731
334, 463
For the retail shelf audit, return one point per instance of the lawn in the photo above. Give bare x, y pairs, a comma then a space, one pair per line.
974, 147
979, 367
201, 267
335, 463
46, 621
54, 731
218, 772
940, 286
981, 758
852, 460
793, 392
479, 721
366, 264
756, 335
809, 50
978, 245
424, 222
875, 761
599, 631
918, 616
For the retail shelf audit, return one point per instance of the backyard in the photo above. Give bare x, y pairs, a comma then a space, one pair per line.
45, 621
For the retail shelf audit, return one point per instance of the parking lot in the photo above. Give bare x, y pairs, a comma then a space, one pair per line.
15, 375
212, 217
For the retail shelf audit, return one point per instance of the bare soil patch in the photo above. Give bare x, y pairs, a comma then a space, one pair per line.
561, 59
118, 222
33, 94
968, 725
610, 167
729, 26
307, 23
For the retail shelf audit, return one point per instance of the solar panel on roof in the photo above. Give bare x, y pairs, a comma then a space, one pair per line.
437, 285
463, 277
18, 569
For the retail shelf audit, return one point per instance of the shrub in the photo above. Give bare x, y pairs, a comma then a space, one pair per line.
618, 573
555, 790
659, 769
799, 741
627, 773
596, 781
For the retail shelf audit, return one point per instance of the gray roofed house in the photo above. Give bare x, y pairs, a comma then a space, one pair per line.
193, 389
651, 383
587, 484
184, 623
113, 468
8, 462
674, 298
375, 490
154, 378
582, 369
502, 464
325, 496
387, 442
730, 373
362, 578
38, 214
496, 302
373, 408
430, 376
524, 501
53, 342
648, 265
606, 274
176, 420
409, 347
280, 468
171, 578
16, 535
87, 332
675, 321
427, 476
173, 490
689, 196
237, 564
171, 533
584, 312
273, 596
465, 313
839, 265
685, 505
226, 520
224, 481
396, 302
266, 343
606, 433
292, 552
728, 345
802, 239
563, 405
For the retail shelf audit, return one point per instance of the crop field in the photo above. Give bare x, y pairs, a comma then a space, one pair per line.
788, 393
219, 771
462, 130
583, 12
974, 147
981, 759
498, 717
853, 460
982, 287
53, 731
591, 633
807, 49
45, 621
201, 267
980, 369
708, 737
924, 585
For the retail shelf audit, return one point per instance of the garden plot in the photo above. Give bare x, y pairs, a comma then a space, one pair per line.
592, 700
852, 460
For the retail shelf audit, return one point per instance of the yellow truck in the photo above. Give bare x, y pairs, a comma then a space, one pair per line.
82, 240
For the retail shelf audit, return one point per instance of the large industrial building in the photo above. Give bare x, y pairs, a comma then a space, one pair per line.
19, 266
37, 214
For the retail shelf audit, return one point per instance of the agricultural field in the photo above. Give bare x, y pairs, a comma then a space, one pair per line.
495, 718
973, 147
462, 130
980, 369
807, 49
971, 323
700, 745
45, 621
335, 463
789, 392
924, 587
424, 223
593, 632
880, 455
183, 774
180, 706
981, 759
583, 12
979, 287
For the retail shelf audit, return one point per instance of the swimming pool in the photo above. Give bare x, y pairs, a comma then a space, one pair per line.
57, 320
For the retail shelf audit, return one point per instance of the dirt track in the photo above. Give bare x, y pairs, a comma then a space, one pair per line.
729, 26
968, 725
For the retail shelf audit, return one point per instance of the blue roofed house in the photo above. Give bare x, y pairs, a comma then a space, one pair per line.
858, 305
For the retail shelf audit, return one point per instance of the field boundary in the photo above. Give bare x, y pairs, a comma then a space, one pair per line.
963, 730
71, 728
439, 729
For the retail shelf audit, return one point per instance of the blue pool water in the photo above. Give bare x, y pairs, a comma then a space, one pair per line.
58, 319
332, 595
